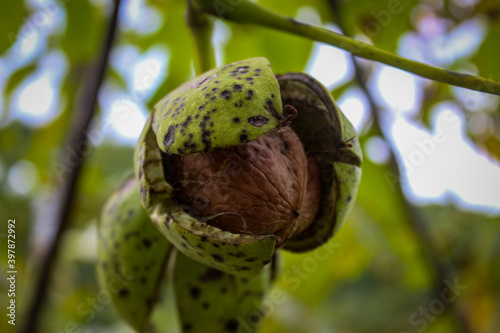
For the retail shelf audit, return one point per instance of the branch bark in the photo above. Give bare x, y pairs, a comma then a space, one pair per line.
78, 142
246, 12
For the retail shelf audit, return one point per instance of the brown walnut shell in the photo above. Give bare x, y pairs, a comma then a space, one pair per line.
266, 186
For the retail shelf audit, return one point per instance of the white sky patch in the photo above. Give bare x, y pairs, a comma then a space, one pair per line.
27, 48
22, 177
124, 118
396, 89
148, 73
125, 112
56, 65
354, 105
143, 73
35, 101
122, 56
220, 37
308, 14
464, 40
29, 42
84, 243
138, 17
377, 150
435, 47
474, 101
46, 17
329, 65
421, 156
444, 164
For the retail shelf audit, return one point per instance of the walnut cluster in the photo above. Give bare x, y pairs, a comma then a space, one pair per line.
266, 186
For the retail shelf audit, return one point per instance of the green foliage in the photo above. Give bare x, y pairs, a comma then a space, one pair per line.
383, 21
18, 76
371, 277
10, 23
83, 33
488, 54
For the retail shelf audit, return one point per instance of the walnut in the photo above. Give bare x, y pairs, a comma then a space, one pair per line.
266, 186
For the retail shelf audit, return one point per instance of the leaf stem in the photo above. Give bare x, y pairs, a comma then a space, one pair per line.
201, 26
246, 12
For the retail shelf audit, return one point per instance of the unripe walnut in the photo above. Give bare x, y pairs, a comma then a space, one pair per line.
266, 186
225, 178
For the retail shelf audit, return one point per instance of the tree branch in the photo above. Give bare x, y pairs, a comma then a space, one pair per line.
442, 267
77, 141
246, 12
201, 26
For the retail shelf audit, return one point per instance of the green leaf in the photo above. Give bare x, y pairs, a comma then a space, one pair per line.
84, 31
486, 58
175, 36
117, 78
290, 7
286, 53
381, 20
13, 15
379, 198
18, 76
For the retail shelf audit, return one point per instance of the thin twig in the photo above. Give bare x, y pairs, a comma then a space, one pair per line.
442, 267
77, 140
247, 12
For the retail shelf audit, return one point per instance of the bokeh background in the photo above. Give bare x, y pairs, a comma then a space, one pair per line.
408, 236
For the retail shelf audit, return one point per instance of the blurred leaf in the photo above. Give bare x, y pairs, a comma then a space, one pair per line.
18, 76
174, 34
493, 146
286, 53
48, 142
290, 7
374, 279
117, 78
175, 37
433, 94
489, 10
486, 58
381, 20
15, 141
386, 206
107, 166
13, 15
379, 198
338, 91
84, 31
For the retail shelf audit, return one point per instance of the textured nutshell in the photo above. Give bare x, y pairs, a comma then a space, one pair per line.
339, 156
267, 186
209, 300
238, 254
223, 107
131, 255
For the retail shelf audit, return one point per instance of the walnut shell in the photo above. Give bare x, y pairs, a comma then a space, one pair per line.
266, 186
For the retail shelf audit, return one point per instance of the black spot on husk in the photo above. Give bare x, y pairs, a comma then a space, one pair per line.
258, 121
